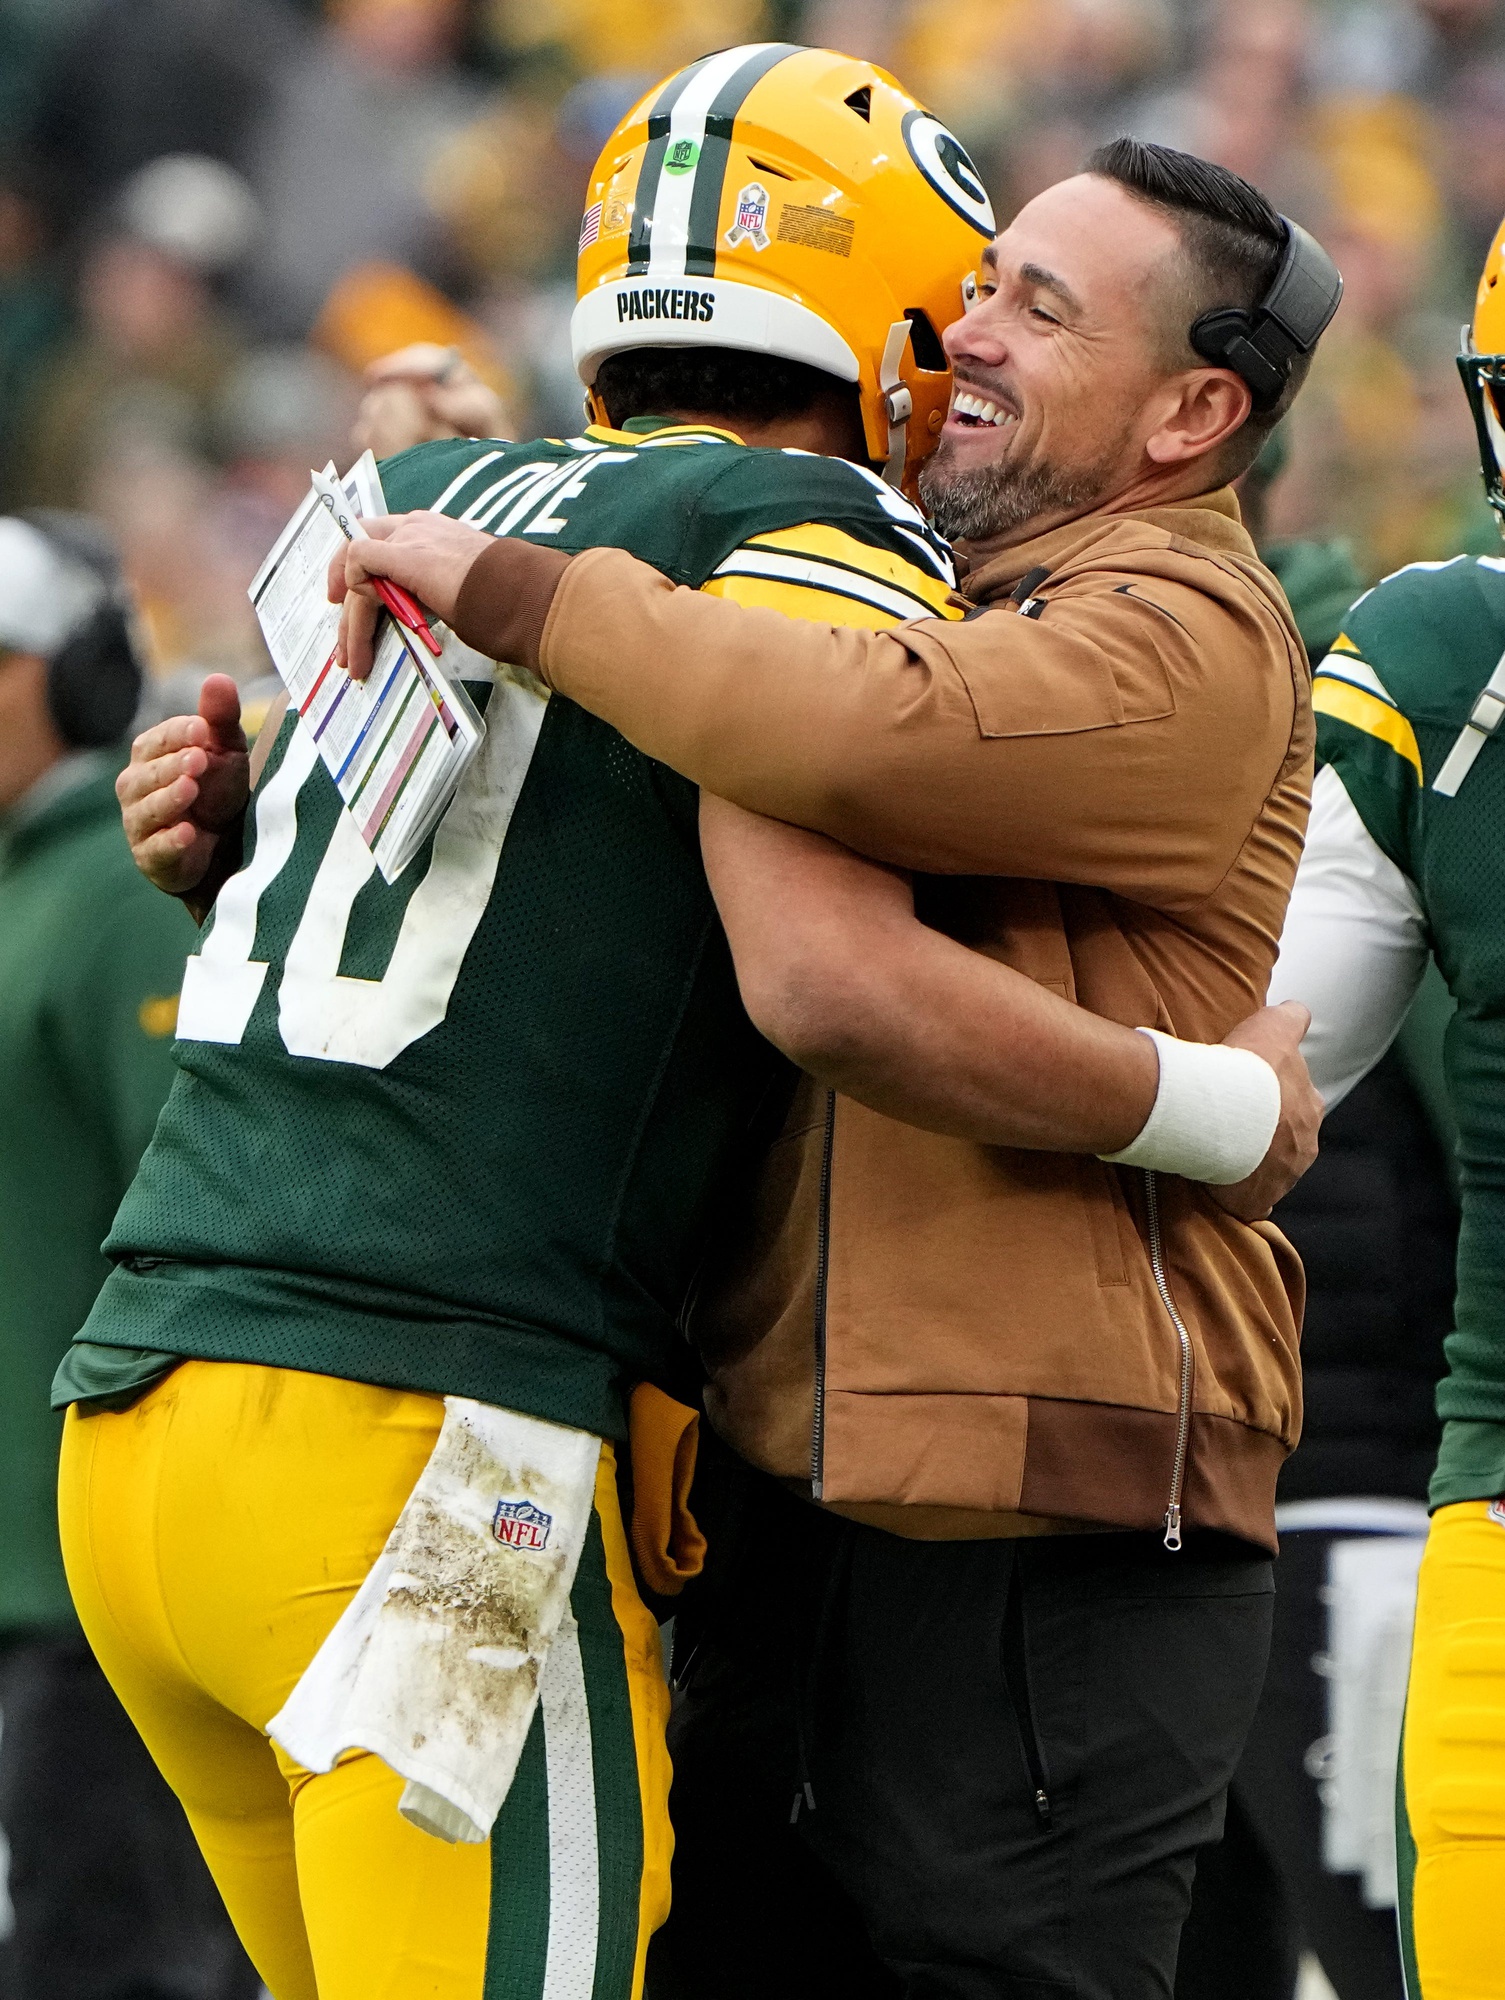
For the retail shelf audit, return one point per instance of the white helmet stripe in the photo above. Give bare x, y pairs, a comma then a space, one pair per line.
685, 156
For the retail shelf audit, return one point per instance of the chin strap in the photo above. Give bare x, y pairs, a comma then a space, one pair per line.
898, 404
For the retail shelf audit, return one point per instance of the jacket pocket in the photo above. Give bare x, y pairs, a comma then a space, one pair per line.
1013, 1649
1065, 682
1108, 1220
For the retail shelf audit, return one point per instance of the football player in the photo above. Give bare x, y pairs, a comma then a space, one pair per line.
464, 1134
1405, 858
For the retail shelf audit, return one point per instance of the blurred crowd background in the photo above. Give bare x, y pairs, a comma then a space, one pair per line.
215, 213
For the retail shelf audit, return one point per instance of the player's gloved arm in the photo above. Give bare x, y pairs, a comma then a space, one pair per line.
837, 970
183, 795
1355, 943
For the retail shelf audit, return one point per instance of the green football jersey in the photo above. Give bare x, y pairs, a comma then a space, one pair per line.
1406, 707
465, 1132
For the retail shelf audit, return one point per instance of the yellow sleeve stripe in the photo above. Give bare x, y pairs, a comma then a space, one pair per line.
1364, 711
827, 544
1343, 644
1357, 672
832, 577
795, 600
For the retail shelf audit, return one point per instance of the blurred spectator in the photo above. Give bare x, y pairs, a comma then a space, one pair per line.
128, 81
153, 347
342, 158
33, 316
654, 36
422, 393
108, 1891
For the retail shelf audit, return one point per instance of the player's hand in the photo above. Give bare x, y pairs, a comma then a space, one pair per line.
185, 787
421, 393
429, 554
1275, 1033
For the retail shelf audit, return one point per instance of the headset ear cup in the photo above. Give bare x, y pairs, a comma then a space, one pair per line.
94, 681
1214, 333
1228, 339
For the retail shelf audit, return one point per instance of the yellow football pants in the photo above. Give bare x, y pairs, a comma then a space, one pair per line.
213, 1533
1453, 1764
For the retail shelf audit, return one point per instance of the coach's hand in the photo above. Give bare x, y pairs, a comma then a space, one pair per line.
1275, 1033
185, 789
428, 554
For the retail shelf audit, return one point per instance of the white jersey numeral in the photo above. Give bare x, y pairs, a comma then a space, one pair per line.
322, 1013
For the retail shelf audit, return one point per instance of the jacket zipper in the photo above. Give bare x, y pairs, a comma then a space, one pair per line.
1172, 1516
822, 1275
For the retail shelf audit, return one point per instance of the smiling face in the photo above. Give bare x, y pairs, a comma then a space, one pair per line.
1074, 387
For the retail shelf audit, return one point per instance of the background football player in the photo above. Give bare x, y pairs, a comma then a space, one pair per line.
1405, 859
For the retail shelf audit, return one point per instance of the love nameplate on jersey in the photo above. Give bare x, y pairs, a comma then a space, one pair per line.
396, 744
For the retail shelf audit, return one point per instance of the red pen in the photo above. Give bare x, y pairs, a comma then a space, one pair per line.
403, 606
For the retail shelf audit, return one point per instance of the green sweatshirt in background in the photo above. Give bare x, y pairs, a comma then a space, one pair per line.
91, 960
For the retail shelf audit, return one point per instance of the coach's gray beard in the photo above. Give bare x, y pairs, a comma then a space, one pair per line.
996, 499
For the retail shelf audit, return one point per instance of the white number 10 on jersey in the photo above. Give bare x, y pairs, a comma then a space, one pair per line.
321, 1013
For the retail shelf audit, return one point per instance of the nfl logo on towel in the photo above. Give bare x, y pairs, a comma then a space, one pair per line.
518, 1524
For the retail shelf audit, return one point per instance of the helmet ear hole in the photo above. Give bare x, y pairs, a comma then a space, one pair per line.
925, 342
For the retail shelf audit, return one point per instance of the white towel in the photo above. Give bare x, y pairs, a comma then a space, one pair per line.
435, 1663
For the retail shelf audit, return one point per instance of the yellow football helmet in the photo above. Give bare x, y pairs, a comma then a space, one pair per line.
788, 201
1482, 366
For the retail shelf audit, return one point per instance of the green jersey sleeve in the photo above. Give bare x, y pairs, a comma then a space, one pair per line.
1364, 732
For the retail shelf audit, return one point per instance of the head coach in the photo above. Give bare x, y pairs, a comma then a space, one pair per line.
1001, 1675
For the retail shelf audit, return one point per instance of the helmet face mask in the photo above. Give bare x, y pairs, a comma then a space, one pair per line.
1484, 385
1481, 363
790, 201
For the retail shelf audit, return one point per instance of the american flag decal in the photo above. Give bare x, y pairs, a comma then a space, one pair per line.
590, 225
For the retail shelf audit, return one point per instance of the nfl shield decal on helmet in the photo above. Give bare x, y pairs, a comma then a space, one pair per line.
518, 1524
752, 214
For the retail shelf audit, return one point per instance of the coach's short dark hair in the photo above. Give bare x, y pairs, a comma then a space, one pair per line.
713, 381
1234, 242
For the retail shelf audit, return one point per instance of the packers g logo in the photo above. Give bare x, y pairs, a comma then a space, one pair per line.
942, 159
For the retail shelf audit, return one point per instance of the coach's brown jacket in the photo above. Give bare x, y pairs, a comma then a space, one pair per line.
1105, 788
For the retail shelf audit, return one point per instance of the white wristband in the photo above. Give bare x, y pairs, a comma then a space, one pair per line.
1214, 1115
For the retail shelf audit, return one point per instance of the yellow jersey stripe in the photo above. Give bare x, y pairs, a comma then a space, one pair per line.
648, 1700
827, 544
667, 434
796, 600
1343, 644
781, 568
1364, 711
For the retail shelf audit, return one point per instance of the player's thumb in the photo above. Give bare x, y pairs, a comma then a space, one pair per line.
219, 705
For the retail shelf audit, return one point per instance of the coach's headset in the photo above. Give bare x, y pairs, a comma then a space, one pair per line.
61, 597
1261, 345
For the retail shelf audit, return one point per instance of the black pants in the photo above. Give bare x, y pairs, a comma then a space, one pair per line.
112, 1899
1264, 1893
960, 1769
